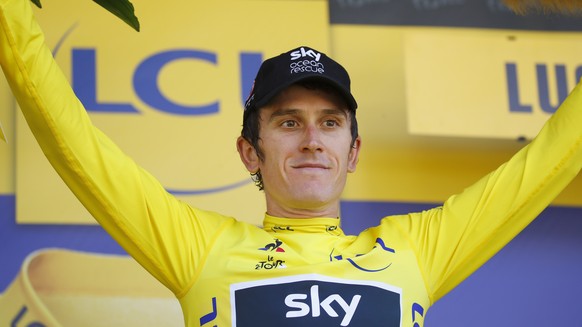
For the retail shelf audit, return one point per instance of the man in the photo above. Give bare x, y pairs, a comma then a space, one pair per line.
299, 140
301, 111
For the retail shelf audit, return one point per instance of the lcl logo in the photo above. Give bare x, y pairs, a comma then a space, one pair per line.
145, 81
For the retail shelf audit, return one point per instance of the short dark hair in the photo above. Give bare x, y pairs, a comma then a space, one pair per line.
252, 123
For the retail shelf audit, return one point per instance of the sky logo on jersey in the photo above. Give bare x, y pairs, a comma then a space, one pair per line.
301, 302
315, 300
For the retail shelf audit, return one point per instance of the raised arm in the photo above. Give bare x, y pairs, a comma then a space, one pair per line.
456, 239
127, 201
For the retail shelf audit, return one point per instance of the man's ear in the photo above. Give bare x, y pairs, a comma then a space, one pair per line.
354, 155
248, 154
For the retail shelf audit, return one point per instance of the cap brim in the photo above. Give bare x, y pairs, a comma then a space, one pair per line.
351, 101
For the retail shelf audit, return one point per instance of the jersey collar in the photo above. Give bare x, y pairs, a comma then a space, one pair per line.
302, 225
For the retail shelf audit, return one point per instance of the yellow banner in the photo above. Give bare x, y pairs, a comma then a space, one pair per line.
482, 83
171, 96
398, 166
7, 146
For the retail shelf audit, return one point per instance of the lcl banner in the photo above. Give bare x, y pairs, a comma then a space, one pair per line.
170, 96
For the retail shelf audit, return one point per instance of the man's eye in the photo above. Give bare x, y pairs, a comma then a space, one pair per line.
289, 123
330, 123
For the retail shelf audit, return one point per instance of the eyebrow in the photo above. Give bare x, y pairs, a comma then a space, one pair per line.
283, 112
296, 112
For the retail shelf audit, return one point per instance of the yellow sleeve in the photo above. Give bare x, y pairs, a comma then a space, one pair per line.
456, 239
163, 234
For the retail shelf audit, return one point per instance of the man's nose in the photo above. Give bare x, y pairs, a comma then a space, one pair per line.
312, 139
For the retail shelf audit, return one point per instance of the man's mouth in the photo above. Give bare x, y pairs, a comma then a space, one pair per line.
309, 166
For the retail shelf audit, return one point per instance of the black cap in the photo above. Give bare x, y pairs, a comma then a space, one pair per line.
277, 73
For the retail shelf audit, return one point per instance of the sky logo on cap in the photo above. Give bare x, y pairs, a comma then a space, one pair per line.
310, 64
301, 53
